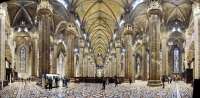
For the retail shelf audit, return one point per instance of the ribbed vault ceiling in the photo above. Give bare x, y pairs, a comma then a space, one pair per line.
99, 18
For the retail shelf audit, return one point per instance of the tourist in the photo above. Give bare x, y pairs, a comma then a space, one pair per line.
116, 82
63, 81
163, 81
56, 80
46, 83
107, 81
104, 84
86, 80
29, 79
169, 80
50, 83
130, 81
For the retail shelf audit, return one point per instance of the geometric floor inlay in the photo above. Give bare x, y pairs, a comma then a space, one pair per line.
139, 89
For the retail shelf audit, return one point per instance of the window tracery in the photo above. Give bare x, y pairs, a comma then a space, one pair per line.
23, 59
176, 60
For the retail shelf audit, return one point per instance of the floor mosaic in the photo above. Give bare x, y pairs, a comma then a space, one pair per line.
93, 90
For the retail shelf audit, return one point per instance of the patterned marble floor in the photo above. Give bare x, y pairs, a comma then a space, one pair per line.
93, 90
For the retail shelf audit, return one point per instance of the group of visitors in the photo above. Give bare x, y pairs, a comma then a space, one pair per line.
106, 82
48, 83
65, 80
169, 79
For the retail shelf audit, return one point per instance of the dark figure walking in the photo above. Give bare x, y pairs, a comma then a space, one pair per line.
56, 80
163, 82
86, 80
130, 81
104, 84
29, 79
116, 82
50, 84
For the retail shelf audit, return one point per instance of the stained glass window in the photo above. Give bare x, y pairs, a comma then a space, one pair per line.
138, 65
23, 58
176, 60
161, 62
50, 58
38, 59
147, 65
60, 62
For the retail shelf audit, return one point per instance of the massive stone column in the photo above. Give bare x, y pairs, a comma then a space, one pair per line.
144, 60
164, 56
71, 33
44, 16
54, 58
3, 9
128, 52
85, 67
89, 65
196, 15
110, 67
118, 45
34, 52
113, 64
155, 15
106, 70
80, 66
90, 69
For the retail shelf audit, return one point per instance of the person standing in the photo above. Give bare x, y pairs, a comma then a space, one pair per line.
104, 84
107, 81
130, 81
86, 80
116, 82
63, 81
29, 79
163, 81
169, 79
50, 84
56, 80
46, 83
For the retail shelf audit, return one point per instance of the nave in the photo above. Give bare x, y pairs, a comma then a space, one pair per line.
139, 89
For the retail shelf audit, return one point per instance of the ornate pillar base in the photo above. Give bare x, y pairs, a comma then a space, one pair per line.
154, 83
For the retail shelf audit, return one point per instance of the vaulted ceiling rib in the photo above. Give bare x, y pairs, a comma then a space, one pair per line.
100, 18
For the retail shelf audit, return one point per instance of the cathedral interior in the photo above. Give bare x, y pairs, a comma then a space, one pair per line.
142, 40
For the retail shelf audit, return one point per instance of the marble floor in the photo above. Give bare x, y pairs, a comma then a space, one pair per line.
139, 89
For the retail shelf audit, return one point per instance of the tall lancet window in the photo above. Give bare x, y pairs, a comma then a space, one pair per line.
60, 62
147, 65
50, 60
176, 60
138, 65
161, 62
23, 58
